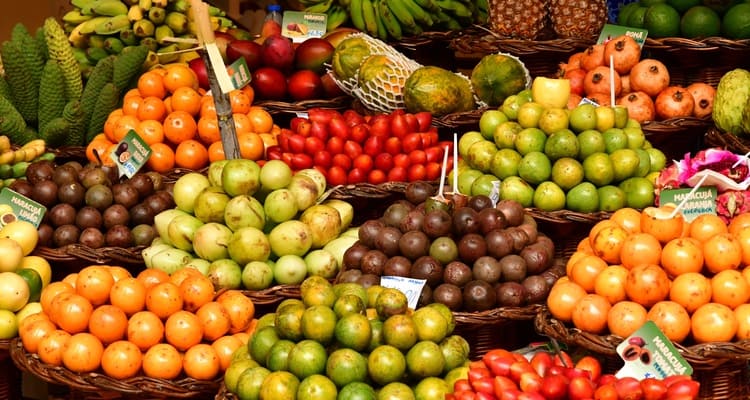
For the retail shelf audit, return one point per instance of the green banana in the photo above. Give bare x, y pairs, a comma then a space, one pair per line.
150, 43
135, 13
76, 38
177, 21
109, 8
182, 6
145, 5
371, 22
429, 5
80, 55
214, 11
75, 17
128, 37
113, 25
94, 54
382, 31
157, 15
82, 3
113, 45
321, 7
89, 26
160, 3
167, 54
144, 28
455, 7
223, 22
336, 17
161, 32
448, 21
401, 13
356, 14
391, 23
421, 16
96, 41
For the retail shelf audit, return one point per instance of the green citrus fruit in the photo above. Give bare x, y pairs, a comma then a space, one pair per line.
345, 366
535, 168
549, 197
598, 169
307, 358
662, 20
318, 323
736, 22
683, 5
611, 198
636, 17
279, 385
400, 331
316, 387
354, 331
386, 364
563, 143
567, 172
700, 22
582, 198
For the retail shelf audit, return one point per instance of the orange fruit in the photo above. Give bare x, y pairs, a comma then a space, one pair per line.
690, 290
742, 314
108, 323
162, 361
562, 299
240, 309
152, 108
743, 237
164, 299
659, 222
682, 255
196, 291
179, 126
183, 330
590, 313
186, 99
177, 76
610, 283
730, 288
628, 218
128, 294
208, 107
640, 248
704, 226
251, 146
119, 272
122, 360
739, 223
242, 124
261, 120
152, 276
33, 332
124, 125
216, 151
224, 347
625, 318
713, 322
82, 353
585, 271
191, 154
201, 362
151, 83
50, 291
672, 319
94, 283
214, 319
180, 275
145, 329
131, 104
608, 243
721, 252
161, 159
109, 124
647, 284
208, 130
50, 347
599, 226
240, 101
96, 150
73, 313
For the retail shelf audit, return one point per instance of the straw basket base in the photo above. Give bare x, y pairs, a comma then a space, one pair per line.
10, 377
503, 334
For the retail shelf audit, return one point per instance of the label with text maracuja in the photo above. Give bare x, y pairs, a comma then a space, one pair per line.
131, 154
702, 201
648, 353
412, 288
21, 206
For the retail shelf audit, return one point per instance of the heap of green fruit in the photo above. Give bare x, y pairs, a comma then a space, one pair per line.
694, 19
98, 28
394, 19
344, 341
585, 160
42, 94
252, 226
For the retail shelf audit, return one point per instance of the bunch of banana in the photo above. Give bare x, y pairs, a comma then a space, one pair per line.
26, 153
394, 19
99, 28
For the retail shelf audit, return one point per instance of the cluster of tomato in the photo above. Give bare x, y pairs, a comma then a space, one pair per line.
505, 375
350, 148
154, 324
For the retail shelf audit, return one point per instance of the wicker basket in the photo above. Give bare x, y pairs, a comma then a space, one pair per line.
73, 257
721, 368
280, 107
369, 200
10, 378
101, 385
677, 136
736, 144
267, 300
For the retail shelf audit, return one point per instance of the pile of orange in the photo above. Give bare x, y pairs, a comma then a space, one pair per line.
178, 121
691, 278
154, 324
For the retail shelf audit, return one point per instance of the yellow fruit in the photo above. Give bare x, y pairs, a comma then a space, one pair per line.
23, 232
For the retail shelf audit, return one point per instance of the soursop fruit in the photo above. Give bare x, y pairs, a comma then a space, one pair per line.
731, 102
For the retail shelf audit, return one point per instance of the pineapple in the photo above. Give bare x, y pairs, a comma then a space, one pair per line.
523, 19
581, 19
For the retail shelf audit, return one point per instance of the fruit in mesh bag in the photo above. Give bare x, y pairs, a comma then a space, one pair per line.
348, 56
578, 18
381, 81
523, 19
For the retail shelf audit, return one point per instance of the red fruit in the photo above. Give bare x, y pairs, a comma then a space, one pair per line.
575, 372
557, 370
684, 388
295, 122
606, 379
336, 176
401, 160
373, 145
304, 127
581, 388
251, 51
530, 396
278, 52
342, 160
301, 161
352, 149
465, 395
400, 126
563, 359
483, 385
274, 153
304, 85
461, 385
485, 396
498, 361
392, 145
592, 365
360, 132
512, 394
397, 174
283, 140
606, 392
576, 77
363, 162
353, 118
335, 145
322, 115
384, 161
287, 158
411, 142
330, 88
554, 387
530, 382
429, 138
418, 157
296, 143
381, 126
653, 389
313, 54
314, 145
377, 177
413, 123
323, 159
424, 119
337, 127
672, 379
518, 367
541, 361
319, 130
478, 373
355, 176
269, 84
199, 67
503, 384
628, 389
435, 154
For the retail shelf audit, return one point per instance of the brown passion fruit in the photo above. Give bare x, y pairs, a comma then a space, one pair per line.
144, 234
479, 296
387, 240
427, 268
368, 231
450, 295
437, 223
512, 210
499, 243
536, 289
491, 219
486, 268
72, 193
116, 214
479, 202
471, 247
125, 194
62, 214
414, 244
353, 255
397, 266
457, 273
92, 237
510, 294
142, 214
418, 192
119, 236
65, 235
373, 262
39, 171
513, 268
89, 217
45, 192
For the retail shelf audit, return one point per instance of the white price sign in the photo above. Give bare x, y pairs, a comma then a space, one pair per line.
412, 288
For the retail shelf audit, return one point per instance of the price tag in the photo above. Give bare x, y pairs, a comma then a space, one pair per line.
649, 354
495, 192
702, 201
299, 25
412, 288
131, 154
21, 206
611, 31
239, 73
586, 100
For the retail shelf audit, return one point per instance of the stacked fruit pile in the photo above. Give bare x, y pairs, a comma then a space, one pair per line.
473, 257
641, 85
14, 162
92, 206
689, 278
346, 340
98, 28
178, 121
251, 226
349, 148
163, 327
588, 159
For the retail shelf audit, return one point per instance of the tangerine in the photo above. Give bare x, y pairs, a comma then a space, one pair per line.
672, 319
713, 322
122, 360
82, 353
690, 290
682, 255
626, 317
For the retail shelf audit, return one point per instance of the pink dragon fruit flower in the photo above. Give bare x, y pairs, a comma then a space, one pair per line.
732, 203
721, 161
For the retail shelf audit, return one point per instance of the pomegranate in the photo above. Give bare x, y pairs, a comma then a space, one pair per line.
574, 100
649, 76
703, 96
640, 106
624, 51
602, 99
625, 80
576, 78
674, 102
593, 57
597, 80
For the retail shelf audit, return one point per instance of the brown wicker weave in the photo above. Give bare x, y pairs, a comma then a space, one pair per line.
677, 136
69, 153
721, 368
727, 141
282, 107
224, 394
267, 300
140, 387
10, 376
103, 255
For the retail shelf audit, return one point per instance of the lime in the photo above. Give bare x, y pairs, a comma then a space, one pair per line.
563, 143
447, 315
567, 172
480, 155
517, 189
483, 185
34, 280
279, 385
396, 391
466, 140
261, 342
386, 364
636, 138
583, 117
653, 176
658, 159
234, 370
242, 353
505, 163
505, 134
425, 359
683, 5
644, 164
357, 391
455, 351
316, 387
466, 179
288, 322
529, 114
700, 22
318, 294
250, 382
598, 169
625, 11
614, 139
345, 366
535, 168
736, 22
40, 265
625, 163
721, 6
489, 121
611, 198
354, 331
278, 356
553, 120
350, 304
589, 142
432, 388
307, 358
639, 192
456, 374
376, 339
649, 3
524, 96
549, 197
662, 20
530, 139
400, 331
605, 118
636, 17
621, 116
510, 106
431, 324
583, 198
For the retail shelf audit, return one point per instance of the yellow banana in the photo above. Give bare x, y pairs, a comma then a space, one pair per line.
7, 157
4, 144
19, 155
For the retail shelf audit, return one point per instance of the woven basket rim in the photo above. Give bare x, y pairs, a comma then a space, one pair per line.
276, 107
700, 356
272, 294
102, 255
567, 216
727, 140
703, 44
97, 382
